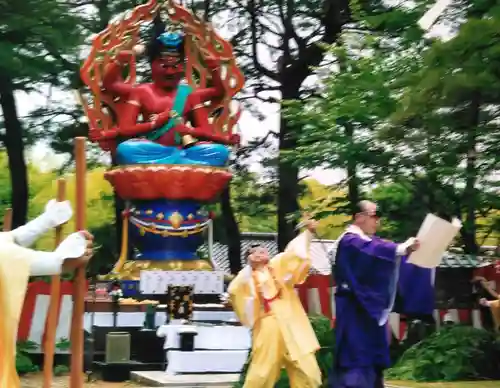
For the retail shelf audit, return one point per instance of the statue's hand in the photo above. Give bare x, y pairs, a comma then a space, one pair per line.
58, 213
124, 56
96, 135
160, 120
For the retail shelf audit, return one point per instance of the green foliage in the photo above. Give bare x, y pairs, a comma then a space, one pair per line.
451, 354
254, 204
24, 364
63, 344
419, 115
326, 338
61, 370
37, 38
100, 211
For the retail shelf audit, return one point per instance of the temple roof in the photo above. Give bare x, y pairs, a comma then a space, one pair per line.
321, 254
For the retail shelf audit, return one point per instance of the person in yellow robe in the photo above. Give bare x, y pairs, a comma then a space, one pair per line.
18, 263
494, 306
264, 299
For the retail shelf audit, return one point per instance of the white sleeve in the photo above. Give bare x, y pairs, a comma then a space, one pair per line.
56, 213
403, 248
40, 263
46, 264
27, 234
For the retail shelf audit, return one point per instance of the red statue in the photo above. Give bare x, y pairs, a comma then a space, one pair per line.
159, 112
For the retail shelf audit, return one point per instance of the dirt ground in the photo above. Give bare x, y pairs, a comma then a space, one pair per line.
36, 381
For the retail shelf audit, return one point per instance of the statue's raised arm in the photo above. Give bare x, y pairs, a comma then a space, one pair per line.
186, 104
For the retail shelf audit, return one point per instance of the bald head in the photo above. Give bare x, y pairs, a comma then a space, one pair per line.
366, 217
363, 206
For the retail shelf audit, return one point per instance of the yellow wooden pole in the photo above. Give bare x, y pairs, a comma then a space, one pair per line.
49, 342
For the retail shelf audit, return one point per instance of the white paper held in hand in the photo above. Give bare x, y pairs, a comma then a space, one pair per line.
435, 235
432, 15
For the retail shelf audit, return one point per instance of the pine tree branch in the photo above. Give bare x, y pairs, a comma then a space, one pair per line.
255, 59
244, 151
286, 19
332, 20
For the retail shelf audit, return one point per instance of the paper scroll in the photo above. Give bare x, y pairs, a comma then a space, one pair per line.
435, 235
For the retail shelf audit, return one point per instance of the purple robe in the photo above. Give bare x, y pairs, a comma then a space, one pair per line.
415, 290
366, 275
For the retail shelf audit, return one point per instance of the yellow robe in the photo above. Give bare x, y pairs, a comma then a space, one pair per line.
16, 265
495, 312
283, 336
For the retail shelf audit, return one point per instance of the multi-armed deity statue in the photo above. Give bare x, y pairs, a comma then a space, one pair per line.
169, 131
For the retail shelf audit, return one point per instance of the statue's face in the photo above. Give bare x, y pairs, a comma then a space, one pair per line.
167, 71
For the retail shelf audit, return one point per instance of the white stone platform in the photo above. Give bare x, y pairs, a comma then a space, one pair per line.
161, 379
217, 349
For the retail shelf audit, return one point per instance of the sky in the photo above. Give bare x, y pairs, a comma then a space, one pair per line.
249, 127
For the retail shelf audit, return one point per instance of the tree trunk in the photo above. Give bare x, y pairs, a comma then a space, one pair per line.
232, 231
292, 72
288, 189
470, 194
15, 151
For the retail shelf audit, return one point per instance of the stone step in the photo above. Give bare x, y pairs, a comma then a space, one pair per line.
161, 379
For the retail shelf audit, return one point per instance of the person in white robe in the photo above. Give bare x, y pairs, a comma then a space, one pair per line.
18, 262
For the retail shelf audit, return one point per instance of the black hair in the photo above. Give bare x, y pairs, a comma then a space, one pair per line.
250, 250
155, 48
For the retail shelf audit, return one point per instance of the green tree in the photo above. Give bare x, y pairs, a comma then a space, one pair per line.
340, 128
450, 123
420, 114
290, 34
37, 38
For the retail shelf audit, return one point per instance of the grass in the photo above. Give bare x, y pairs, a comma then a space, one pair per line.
468, 384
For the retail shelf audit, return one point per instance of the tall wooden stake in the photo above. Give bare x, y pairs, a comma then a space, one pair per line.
7, 220
49, 342
79, 282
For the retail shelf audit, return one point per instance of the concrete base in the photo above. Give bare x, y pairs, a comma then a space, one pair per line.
161, 379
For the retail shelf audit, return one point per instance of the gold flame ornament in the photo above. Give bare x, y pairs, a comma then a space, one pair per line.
176, 220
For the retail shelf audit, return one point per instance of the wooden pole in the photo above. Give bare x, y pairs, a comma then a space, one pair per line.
79, 282
49, 343
7, 220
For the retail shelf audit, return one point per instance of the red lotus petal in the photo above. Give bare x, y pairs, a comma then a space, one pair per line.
166, 181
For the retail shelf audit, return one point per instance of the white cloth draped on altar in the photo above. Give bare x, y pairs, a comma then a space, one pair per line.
208, 337
204, 361
137, 319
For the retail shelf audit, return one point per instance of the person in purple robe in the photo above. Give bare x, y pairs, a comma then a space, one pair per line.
367, 269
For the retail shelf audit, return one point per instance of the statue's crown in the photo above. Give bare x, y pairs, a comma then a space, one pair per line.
171, 42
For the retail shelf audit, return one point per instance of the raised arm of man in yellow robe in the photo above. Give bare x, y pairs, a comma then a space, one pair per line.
295, 262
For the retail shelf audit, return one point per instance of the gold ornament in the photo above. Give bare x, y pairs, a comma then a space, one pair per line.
176, 220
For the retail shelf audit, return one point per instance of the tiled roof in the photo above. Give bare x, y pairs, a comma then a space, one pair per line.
321, 255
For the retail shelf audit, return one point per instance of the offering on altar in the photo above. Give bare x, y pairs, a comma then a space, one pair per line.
180, 302
132, 301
